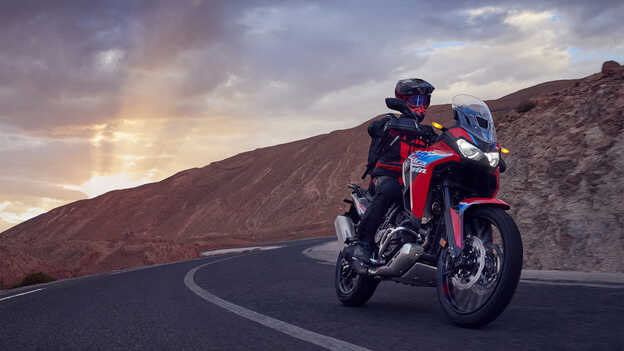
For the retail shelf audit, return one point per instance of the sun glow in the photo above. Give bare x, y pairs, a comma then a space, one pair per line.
100, 184
116, 137
15, 218
4, 205
17, 212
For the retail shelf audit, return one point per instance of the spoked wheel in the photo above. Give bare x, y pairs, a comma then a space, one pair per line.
475, 287
352, 289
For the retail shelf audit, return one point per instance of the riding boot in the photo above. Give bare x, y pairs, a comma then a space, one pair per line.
360, 250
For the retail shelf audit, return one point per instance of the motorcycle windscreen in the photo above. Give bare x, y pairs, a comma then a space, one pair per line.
475, 117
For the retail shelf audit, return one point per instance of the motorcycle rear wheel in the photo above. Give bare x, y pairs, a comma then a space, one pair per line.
469, 295
352, 289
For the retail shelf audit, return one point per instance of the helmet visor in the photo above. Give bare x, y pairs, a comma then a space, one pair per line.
419, 100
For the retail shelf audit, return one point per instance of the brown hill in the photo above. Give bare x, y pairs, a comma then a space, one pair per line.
564, 177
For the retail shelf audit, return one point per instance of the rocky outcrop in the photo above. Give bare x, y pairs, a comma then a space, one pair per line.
566, 176
611, 68
564, 183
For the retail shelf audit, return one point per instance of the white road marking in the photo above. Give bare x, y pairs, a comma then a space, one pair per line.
324, 341
238, 250
203, 254
135, 269
117, 272
24, 293
591, 285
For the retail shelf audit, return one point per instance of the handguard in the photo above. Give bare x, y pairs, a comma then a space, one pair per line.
406, 126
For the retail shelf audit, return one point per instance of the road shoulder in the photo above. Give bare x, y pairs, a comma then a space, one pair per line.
326, 253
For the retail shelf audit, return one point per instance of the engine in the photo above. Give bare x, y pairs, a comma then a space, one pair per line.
391, 237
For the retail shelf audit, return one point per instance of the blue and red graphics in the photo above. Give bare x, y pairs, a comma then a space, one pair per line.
424, 163
427, 157
361, 209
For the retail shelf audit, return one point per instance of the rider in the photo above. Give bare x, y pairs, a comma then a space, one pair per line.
386, 175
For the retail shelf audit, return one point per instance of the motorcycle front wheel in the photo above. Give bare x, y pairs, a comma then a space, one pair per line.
475, 288
352, 289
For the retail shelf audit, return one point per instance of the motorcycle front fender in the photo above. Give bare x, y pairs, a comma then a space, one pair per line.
454, 219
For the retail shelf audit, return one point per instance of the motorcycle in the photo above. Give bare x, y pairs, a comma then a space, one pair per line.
449, 231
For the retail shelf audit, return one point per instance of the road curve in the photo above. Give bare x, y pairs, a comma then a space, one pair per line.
154, 309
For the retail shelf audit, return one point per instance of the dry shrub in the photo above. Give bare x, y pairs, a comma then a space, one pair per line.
526, 106
35, 278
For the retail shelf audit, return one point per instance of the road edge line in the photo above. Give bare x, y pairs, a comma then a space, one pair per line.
20, 294
292, 330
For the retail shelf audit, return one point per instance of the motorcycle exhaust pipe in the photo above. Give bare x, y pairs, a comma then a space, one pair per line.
345, 230
400, 263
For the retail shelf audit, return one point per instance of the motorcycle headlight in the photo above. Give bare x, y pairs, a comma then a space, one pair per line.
468, 150
493, 158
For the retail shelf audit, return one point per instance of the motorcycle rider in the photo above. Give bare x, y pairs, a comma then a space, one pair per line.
386, 184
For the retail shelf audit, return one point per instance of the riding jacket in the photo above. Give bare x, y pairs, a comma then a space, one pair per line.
390, 163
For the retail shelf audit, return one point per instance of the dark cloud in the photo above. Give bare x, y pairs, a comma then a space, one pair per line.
48, 62
75, 63
55, 162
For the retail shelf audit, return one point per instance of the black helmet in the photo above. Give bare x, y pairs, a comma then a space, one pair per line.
416, 93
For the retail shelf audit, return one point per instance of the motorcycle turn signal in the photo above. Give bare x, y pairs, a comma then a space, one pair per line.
438, 126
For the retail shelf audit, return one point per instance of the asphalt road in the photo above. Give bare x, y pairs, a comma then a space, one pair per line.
281, 299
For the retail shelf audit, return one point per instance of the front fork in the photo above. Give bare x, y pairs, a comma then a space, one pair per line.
452, 223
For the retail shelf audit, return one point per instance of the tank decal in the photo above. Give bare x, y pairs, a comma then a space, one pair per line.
428, 157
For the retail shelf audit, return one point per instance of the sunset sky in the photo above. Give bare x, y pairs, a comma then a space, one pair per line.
102, 95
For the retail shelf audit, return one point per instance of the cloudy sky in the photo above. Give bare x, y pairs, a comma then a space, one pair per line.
100, 95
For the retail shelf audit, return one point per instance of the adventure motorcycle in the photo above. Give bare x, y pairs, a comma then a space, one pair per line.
450, 231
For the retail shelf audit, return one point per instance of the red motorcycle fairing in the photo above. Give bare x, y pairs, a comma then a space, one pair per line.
497, 174
424, 163
458, 132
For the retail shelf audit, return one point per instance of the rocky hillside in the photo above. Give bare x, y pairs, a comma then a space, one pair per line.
566, 177
564, 184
